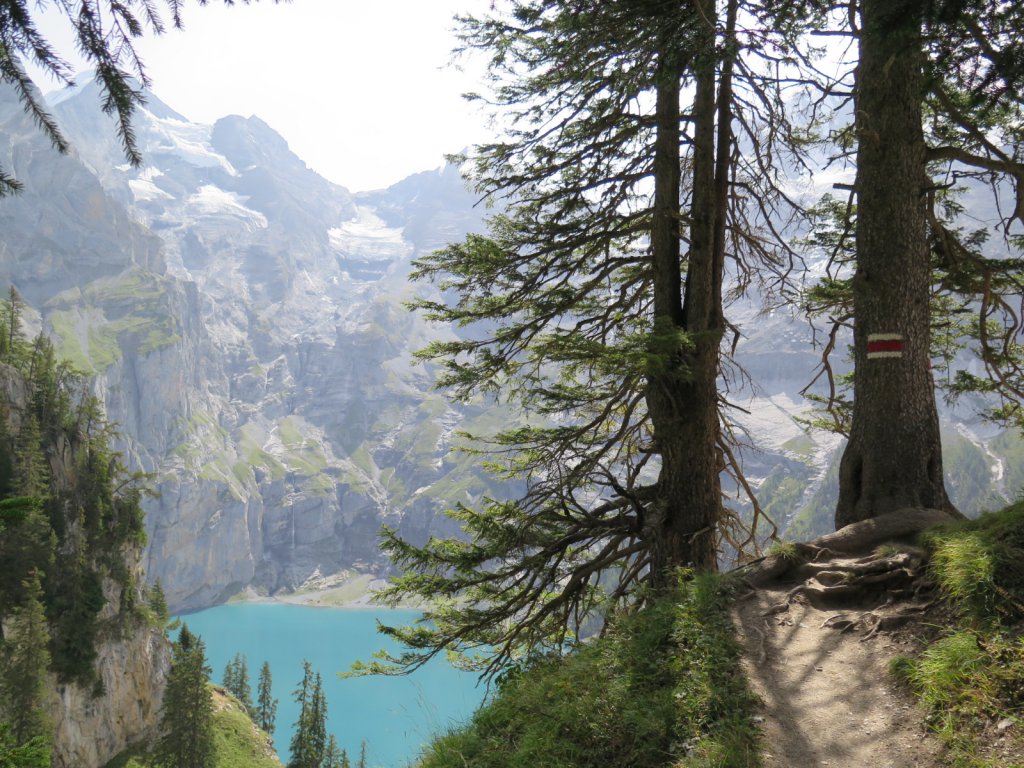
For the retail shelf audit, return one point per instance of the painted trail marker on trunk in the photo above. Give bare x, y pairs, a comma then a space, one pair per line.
881, 345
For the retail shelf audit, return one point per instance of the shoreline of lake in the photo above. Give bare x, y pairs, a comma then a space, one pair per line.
339, 591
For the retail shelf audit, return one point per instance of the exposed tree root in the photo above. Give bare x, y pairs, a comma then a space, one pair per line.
876, 621
885, 580
844, 590
854, 538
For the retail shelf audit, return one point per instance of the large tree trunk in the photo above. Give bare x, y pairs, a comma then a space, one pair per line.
682, 391
893, 459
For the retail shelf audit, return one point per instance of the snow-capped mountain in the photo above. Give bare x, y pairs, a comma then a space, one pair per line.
244, 321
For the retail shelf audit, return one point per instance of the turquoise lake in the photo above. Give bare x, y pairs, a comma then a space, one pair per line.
395, 715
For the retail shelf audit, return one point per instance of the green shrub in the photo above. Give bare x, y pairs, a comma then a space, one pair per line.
661, 687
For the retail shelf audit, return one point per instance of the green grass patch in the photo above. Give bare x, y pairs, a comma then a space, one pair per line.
201, 422
319, 485
133, 284
218, 468
662, 687
251, 447
784, 549
308, 460
801, 446
68, 345
237, 742
301, 454
159, 337
974, 675
361, 458
979, 565
104, 350
967, 681
459, 487
289, 433
93, 343
243, 473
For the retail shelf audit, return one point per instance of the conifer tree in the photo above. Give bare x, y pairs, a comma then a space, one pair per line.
891, 312
318, 720
27, 545
158, 603
236, 681
74, 613
362, 754
935, 88
51, 383
230, 678
299, 748
31, 468
14, 346
186, 719
309, 741
334, 756
36, 753
89, 519
266, 704
244, 692
599, 299
26, 661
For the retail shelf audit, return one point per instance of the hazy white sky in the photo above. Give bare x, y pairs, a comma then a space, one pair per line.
362, 90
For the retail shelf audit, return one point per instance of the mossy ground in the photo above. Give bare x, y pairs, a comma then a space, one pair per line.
662, 687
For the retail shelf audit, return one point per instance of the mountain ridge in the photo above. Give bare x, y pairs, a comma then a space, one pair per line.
245, 322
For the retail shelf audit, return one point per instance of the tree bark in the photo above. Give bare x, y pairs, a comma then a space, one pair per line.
893, 459
682, 391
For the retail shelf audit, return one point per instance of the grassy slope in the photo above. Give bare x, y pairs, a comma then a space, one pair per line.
661, 688
972, 677
237, 741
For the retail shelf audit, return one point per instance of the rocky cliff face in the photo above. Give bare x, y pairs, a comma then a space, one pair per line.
244, 320
90, 729
120, 704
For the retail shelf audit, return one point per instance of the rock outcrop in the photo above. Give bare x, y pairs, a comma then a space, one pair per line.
116, 702
92, 725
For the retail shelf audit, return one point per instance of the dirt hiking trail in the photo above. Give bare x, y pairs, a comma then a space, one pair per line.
828, 698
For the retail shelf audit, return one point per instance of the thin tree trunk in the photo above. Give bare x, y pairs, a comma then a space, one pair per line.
893, 459
682, 392
667, 547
